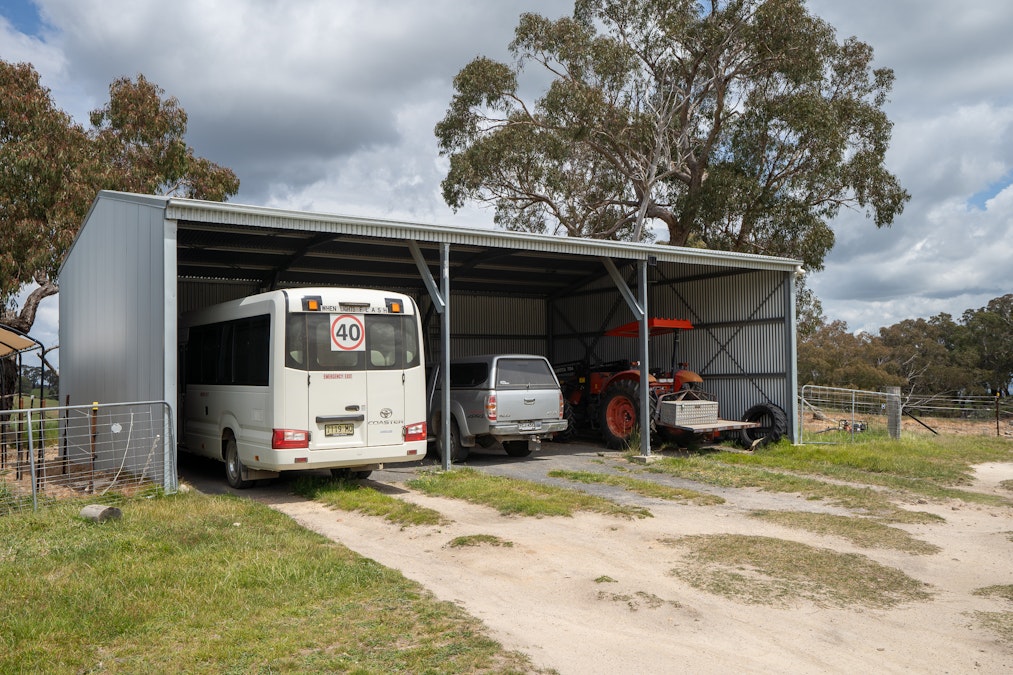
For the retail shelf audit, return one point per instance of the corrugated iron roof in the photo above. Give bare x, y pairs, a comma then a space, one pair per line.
276, 247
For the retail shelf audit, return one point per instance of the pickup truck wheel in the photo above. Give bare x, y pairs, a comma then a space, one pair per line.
566, 435
234, 467
773, 425
620, 413
517, 448
458, 453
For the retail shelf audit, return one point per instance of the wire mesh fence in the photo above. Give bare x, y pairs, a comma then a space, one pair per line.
101, 452
833, 415
959, 415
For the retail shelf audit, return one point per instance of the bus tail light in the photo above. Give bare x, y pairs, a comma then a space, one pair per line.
491, 412
290, 439
415, 432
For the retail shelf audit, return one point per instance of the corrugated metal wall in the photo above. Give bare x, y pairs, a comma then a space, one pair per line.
481, 324
742, 324
114, 308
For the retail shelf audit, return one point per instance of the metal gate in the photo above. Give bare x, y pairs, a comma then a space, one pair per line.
98, 451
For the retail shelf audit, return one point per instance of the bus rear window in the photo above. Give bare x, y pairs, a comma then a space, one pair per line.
390, 343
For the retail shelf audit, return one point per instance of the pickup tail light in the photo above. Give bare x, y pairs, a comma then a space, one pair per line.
290, 439
561, 408
491, 413
415, 432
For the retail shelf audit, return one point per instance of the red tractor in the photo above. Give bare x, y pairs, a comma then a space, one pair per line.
606, 398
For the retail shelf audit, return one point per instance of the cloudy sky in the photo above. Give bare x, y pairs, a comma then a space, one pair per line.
329, 105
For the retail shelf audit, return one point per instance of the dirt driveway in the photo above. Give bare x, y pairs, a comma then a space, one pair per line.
594, 594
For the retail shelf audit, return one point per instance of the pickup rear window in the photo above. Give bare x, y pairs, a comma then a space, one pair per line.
468, 374
523, 374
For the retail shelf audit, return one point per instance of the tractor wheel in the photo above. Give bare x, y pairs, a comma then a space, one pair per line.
620, 413
566, 435
773, 425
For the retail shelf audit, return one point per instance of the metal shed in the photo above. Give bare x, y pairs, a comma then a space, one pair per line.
139, 261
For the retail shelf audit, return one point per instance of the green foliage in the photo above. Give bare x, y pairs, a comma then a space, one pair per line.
740, 125
972, 357
51, 169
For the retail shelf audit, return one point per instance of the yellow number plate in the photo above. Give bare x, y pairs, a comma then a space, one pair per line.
338, 430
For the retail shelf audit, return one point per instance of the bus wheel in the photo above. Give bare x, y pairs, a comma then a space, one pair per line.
348, 474
234, 467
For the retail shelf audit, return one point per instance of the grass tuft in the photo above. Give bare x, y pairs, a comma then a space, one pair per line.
479, 540
518, 497
646, 488
861, 532
769, 571
353, 496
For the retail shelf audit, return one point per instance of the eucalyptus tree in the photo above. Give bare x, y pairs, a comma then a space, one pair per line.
741, 125
51, 168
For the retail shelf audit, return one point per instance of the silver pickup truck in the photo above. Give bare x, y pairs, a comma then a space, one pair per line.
510, 398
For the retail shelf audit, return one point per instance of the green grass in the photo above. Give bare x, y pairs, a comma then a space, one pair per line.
352, 496
479, 540
930, 467
867, 477
203, 584
711, 469
861, 532
764, 570
518, 497
646, 488
1002, 591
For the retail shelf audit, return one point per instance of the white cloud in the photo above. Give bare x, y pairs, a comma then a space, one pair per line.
331, 106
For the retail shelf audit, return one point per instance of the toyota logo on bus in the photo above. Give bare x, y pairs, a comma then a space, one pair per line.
385, 413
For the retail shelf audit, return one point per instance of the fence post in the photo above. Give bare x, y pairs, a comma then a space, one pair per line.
31, 464
94, 450
893, 412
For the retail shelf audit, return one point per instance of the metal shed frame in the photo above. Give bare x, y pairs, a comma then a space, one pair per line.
140, 260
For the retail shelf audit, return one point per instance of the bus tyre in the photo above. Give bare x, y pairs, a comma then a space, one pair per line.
773, 425
345, 473
517, 448
234, 467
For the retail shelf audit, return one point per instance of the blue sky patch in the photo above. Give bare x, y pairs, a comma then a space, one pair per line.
978, 199
23, 15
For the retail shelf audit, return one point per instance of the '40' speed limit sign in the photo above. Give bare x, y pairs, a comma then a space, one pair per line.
347, 333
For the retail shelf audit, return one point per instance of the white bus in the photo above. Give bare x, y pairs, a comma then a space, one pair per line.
309, 378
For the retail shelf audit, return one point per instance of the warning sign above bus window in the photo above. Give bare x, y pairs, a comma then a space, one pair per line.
347, 333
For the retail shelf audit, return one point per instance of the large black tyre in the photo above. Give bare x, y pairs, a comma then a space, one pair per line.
773, 425
566, 435
620, 413
234, 466
458, 453
517, 448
